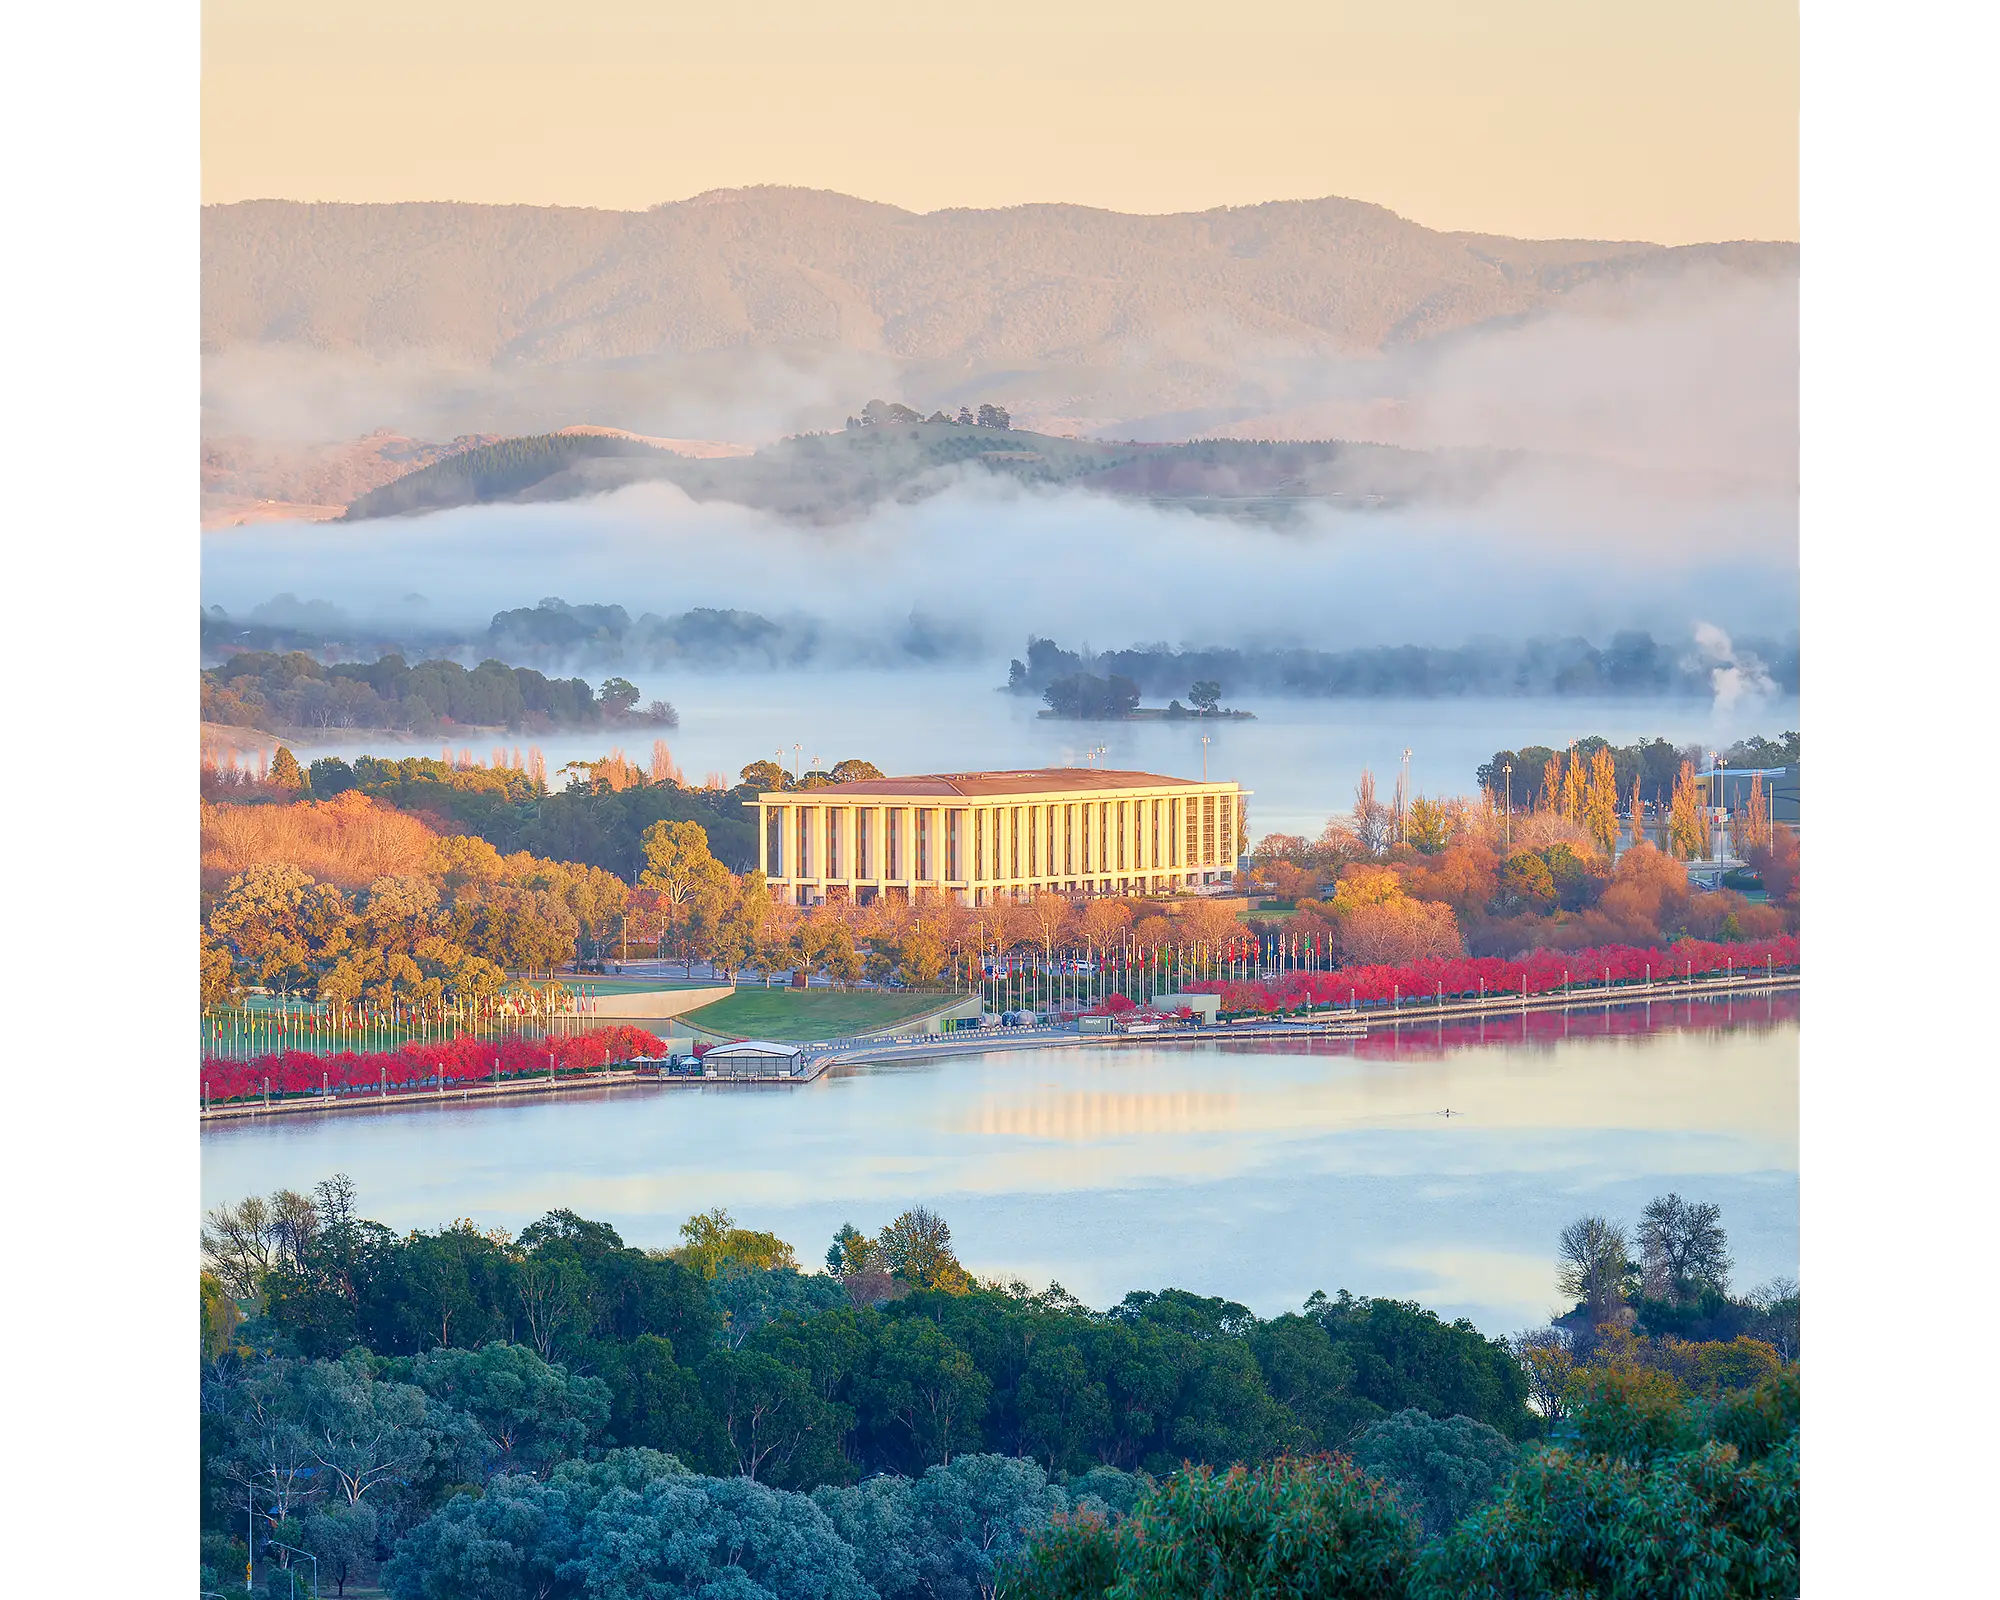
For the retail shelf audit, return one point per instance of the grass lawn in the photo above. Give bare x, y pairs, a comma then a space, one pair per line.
813, 1013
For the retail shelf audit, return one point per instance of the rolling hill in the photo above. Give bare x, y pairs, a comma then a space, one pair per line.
1075, 318
827, 476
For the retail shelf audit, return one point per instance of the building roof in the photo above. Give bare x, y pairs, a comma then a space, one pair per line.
1034, 780
756, 1047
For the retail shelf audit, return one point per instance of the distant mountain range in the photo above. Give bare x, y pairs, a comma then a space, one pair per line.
1079, 320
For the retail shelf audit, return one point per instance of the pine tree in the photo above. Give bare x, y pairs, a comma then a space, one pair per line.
285, 771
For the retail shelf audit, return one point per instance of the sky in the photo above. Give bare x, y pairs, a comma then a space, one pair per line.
1668, 120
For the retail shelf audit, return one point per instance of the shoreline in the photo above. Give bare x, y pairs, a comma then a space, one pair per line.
1334, 1024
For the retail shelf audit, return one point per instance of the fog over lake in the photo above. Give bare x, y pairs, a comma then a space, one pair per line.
1257, 1172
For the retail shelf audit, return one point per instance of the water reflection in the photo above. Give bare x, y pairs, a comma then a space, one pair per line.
1260, 1172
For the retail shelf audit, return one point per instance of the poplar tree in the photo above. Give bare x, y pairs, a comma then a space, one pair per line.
1573, 791
1550, 798
1686, 834
1600, 803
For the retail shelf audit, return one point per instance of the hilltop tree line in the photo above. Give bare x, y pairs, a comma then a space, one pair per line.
1633, 663
490, 472
887, 413
420, 1407
278, 693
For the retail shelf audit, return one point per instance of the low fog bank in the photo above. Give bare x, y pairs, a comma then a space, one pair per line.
984, 564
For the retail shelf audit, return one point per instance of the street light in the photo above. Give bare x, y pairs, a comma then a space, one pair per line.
272, 1544
1507, 823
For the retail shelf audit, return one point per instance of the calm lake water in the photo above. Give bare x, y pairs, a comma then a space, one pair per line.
1255, 1171
1300, 757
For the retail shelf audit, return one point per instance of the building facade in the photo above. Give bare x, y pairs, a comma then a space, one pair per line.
987, 836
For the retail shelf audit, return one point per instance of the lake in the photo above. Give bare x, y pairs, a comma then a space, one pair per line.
1259, 1172
1300, 757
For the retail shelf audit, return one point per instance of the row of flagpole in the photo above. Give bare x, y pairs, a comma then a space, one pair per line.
292, 1022
1069, 981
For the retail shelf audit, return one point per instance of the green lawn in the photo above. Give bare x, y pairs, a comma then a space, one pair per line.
812, 1014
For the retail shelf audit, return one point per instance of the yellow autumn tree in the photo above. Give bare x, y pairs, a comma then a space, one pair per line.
1687, 834
1573, 791
1638, 811
1750, 827
1600, 801
1552, 782
1430, 825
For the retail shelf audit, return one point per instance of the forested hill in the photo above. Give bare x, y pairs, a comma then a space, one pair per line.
830, 475
497, 471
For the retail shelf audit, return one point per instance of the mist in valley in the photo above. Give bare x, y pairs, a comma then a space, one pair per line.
1653, 487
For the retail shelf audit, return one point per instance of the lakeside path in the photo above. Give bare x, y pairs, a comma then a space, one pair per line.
1340, 1023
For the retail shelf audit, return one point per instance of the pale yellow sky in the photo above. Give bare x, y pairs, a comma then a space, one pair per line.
1670, 120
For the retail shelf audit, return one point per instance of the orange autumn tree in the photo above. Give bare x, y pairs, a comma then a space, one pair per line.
1377, 923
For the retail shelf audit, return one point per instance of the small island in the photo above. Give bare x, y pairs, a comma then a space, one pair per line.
1085, 697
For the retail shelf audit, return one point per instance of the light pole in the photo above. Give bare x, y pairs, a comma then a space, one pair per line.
1722, 785
1507, 819
295, 1550
1204, 757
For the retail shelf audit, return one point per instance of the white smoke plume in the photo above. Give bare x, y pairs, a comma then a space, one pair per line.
1738, 677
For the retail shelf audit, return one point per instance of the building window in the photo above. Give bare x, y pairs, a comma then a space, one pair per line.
897, 844
954, 846
774, 839
1069, 840
802, 868
1226, 830
832, 814
1013, 841
1208, 830
1153, 859
1190, 833
862, 854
